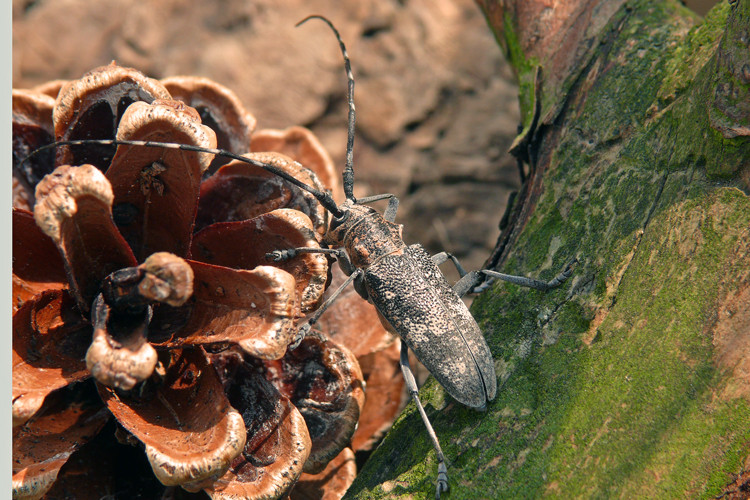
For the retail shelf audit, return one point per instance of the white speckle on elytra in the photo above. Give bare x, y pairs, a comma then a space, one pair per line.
252, 304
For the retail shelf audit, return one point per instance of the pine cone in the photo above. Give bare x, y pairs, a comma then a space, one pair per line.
141, 292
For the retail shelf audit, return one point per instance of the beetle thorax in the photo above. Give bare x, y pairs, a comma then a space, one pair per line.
364, 234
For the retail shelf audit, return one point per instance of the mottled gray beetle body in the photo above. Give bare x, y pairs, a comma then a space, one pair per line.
415, 301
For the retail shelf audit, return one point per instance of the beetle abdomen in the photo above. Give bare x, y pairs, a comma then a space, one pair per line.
416, 301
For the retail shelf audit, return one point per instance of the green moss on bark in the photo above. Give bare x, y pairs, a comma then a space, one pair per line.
610, 386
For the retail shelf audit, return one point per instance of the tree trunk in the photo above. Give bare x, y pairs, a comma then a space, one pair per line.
632, 379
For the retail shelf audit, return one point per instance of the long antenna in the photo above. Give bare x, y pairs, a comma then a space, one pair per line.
349, 168
323, 197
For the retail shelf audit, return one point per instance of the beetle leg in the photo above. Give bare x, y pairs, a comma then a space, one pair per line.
319, 312
344, 263
290, 253
348, 268
440, 258
376, 197
467, 283
411, 384
341, 257
468, 280
390, 211
532, 283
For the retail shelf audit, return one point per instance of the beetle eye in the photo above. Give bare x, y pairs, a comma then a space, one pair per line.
337, 221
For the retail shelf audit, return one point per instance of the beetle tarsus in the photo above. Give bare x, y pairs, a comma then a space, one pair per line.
301, 334
281, 255
564, 275
442, 480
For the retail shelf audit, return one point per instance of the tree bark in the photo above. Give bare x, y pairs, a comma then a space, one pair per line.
633, 378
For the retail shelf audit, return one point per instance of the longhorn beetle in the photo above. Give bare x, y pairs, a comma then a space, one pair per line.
404, 283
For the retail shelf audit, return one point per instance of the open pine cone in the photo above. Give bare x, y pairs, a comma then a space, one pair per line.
141, 292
